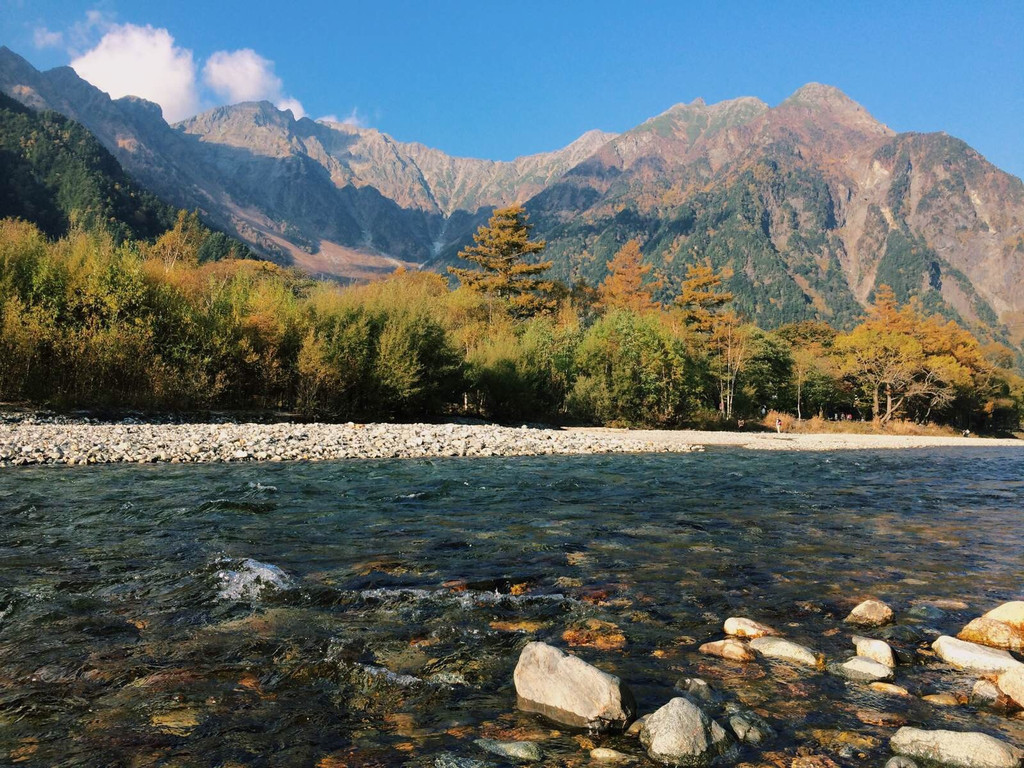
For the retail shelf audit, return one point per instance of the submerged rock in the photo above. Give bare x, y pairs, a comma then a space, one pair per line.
569, 691
698, 690
964, 750
900, 761
747, 726
889, 688
862, 669
876, 650
448, 760
870, 613
730, 648
681, 734
516, 751
971, 657
741, 627
605, 755
785, 650
249, 578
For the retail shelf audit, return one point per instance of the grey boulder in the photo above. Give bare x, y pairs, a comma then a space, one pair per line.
955, 748
681, 734
569, 691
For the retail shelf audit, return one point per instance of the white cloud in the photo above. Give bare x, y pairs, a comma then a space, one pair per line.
143, 61
244, 75
294, 105
353, 118
45, 38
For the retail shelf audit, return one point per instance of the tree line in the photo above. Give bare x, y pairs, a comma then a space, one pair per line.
94, 320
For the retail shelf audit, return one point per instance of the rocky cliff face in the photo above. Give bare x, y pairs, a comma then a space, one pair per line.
814, 203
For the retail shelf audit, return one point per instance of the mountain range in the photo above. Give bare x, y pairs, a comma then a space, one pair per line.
813, 203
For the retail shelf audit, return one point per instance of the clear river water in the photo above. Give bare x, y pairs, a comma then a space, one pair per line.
371, 612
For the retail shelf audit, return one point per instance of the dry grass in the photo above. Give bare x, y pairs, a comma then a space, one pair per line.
817, 425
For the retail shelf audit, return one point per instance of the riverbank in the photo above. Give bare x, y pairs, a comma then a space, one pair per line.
46, 439
790, 441
59, 440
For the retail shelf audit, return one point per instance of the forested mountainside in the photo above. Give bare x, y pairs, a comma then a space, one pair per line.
813, 203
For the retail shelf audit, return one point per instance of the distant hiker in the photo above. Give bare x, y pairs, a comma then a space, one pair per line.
778, 426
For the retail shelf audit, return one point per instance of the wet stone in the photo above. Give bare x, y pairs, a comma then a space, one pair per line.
729, 648
747, 726
971, 657
681, 734
567, 690
785, 650
955, 748
516, 751
743, 627
870, 613
605, 755
862, 669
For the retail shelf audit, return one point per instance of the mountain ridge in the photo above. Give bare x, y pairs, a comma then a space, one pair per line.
812, 202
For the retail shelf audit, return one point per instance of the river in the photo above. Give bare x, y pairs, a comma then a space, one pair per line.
371, 612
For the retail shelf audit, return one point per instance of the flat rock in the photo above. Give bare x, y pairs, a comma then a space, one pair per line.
992, 632
942, 699
862, 669
681, 734
870, 613
900, 761
730, 648
971, 657
889, 688
963, 750
876, 650
1011, 682
785, 650
567, 690
741, 627
516, 751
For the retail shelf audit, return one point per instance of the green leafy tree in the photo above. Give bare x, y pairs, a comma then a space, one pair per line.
502, 250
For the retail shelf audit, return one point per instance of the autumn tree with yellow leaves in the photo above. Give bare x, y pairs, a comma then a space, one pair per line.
626, 286
502, 250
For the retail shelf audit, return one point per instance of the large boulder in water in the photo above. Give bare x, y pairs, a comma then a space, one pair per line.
964, 750
971, 657
567, 690
681, 734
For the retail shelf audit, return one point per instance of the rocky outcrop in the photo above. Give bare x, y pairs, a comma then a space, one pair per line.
681, 734
963, 750
567, 690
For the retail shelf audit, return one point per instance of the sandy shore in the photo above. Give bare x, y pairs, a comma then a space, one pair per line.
770, 441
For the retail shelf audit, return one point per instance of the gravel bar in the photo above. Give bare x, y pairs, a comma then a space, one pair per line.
68, 441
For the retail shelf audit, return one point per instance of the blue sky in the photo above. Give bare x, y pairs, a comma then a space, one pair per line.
498, 80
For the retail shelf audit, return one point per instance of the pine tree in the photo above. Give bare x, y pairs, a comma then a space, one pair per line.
624, 286
701, 295
502, 249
